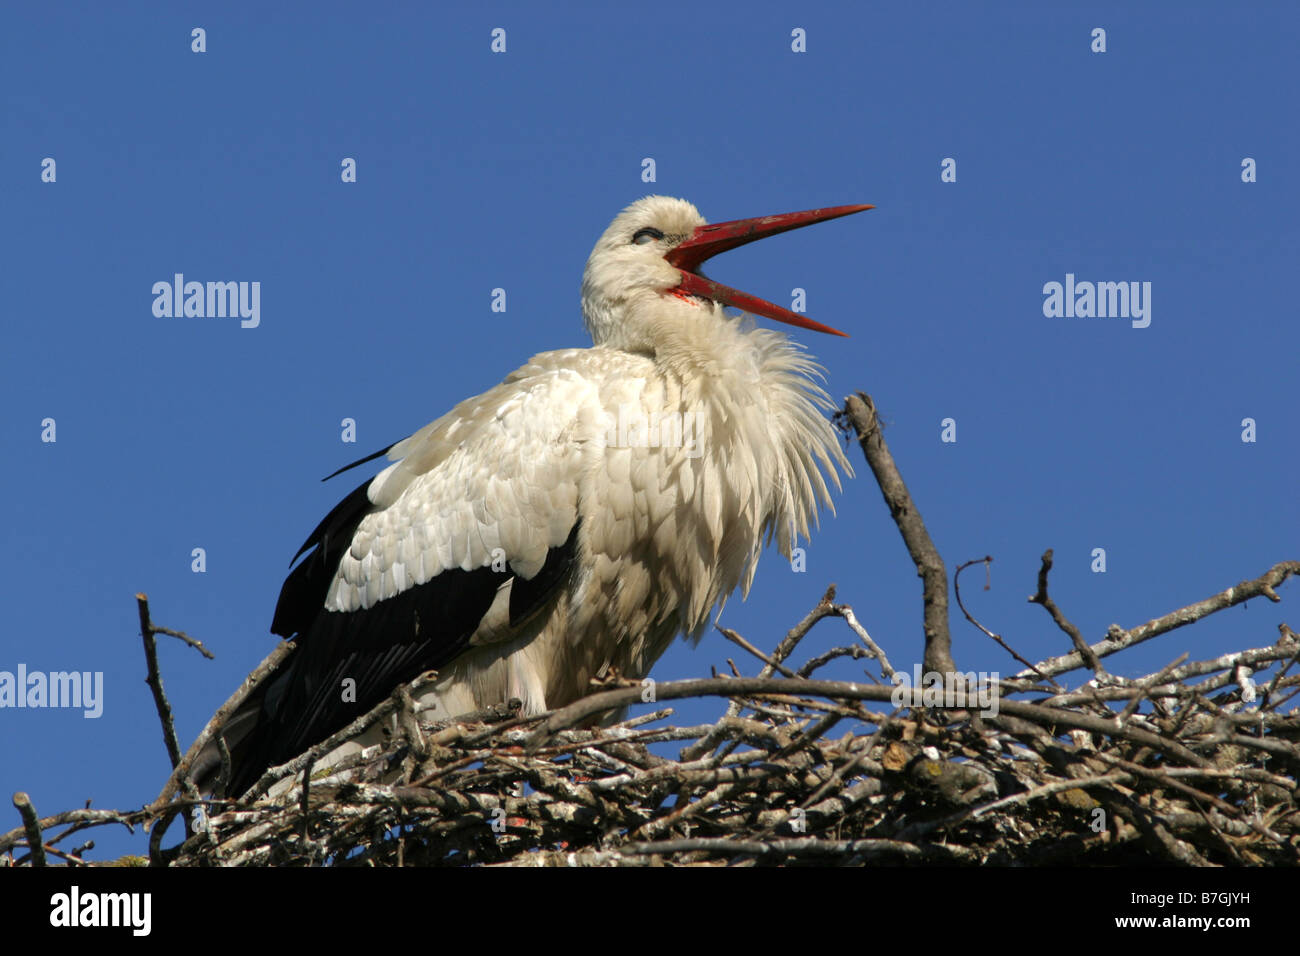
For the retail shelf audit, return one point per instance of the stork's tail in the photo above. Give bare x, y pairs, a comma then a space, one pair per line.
241, 741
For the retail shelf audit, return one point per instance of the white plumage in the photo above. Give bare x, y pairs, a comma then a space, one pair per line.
575, 518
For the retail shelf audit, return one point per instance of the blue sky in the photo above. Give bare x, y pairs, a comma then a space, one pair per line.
479, 170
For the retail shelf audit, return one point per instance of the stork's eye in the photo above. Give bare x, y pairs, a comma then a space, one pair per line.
648, 234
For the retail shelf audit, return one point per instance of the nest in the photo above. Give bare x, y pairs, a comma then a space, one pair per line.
1194, 765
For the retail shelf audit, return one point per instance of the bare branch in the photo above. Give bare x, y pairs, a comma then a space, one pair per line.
31, 828
154, 680
1041, 597
860, 411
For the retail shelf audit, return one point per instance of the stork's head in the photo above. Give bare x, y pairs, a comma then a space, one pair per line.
645, 270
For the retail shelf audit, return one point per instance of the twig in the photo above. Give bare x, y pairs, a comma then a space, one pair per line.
823, 609
844, 850
860, 412
821, 660
1144, 686
846, 611
1041, 597
31, 827
735, 638
79, 820
956, 585
1118, 639
154, 680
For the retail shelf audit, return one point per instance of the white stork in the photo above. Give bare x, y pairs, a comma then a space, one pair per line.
571, 521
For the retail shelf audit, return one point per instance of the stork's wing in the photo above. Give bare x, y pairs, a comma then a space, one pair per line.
404, 570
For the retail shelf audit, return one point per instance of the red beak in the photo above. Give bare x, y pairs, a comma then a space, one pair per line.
707, 241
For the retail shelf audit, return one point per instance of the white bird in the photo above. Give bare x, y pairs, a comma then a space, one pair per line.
571, 521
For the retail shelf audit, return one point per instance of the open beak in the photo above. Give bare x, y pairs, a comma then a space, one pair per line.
707, 241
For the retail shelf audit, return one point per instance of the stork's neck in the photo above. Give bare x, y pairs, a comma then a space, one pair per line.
685, 334
699, 343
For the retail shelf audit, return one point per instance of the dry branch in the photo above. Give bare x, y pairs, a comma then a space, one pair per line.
860, 413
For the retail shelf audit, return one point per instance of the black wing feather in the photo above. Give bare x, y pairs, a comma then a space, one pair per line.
303, 593
360, 461
422, 628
